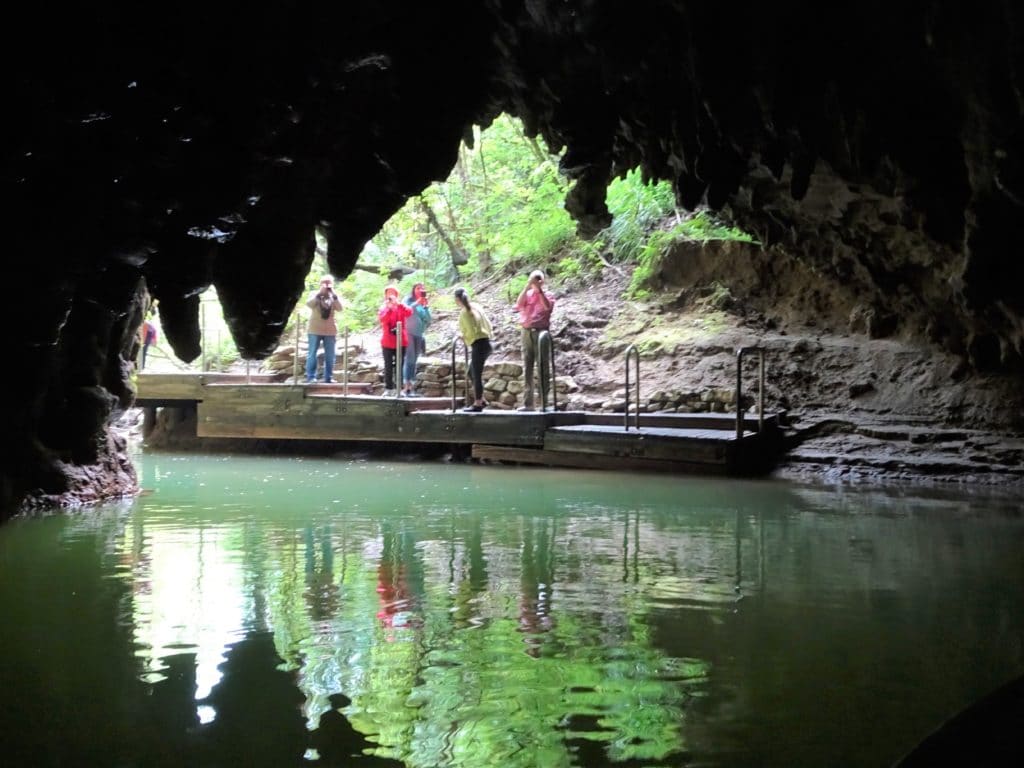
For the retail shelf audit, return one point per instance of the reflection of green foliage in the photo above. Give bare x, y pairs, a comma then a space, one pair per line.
462, 660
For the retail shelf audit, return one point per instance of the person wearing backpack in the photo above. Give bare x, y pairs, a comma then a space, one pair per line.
416, 326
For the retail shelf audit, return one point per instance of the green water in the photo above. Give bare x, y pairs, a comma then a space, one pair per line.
481, 616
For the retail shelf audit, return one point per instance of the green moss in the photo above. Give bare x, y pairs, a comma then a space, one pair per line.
661, 334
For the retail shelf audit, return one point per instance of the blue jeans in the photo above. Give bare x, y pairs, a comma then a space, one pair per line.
411, 354
314, 344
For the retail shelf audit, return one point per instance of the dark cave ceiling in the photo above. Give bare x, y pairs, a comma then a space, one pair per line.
205, 148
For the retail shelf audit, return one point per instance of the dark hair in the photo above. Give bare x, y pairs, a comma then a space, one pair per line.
412, 297
462, 298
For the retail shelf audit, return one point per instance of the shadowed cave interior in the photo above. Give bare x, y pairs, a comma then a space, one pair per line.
882, 147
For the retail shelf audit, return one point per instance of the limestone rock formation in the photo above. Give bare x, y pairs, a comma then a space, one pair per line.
203, 147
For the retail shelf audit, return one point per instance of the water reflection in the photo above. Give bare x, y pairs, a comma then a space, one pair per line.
311, 612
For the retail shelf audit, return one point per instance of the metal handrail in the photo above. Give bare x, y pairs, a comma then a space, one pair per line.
465, 354
632, 350
544, 340
740, 351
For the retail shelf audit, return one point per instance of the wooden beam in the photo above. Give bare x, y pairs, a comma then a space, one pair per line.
590, 460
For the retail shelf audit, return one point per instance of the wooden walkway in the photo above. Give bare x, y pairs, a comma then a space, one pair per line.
260, 407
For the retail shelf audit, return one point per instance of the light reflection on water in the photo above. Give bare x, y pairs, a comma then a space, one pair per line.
499, 616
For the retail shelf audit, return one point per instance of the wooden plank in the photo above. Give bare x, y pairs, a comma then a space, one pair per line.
150, 386
715, 421
190, 385
687, 445
590, 460
370, 419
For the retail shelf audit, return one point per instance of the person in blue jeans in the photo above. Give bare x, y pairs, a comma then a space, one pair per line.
416, 325
323, 329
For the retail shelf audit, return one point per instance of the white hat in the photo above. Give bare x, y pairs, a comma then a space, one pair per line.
537, 274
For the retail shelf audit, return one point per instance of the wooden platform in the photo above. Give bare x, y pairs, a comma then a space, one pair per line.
251, 407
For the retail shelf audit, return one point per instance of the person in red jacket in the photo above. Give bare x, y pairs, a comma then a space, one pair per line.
391, 313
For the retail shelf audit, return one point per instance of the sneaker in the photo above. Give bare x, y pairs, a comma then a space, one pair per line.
473, 408
525, 408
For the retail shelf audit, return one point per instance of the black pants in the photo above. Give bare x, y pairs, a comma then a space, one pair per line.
479, 351
389, 366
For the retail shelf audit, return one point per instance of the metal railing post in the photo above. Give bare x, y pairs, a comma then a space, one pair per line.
295, 357
545, 342
631, 350
465, 354
202, 343
740, 351
398, 358
248, 375
344, 362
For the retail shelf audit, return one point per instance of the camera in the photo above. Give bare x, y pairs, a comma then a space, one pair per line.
326, 303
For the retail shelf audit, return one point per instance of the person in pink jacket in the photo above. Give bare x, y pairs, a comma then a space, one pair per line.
534, 305
391, 313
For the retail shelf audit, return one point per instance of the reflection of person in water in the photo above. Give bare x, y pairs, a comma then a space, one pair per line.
337, 742
474, 579
321, 589
535, 587
399, 580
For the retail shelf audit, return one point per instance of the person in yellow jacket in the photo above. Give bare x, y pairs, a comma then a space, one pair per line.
476, 333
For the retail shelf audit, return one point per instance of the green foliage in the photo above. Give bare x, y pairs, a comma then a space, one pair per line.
703, 226
502, 206
637, 207
219, 350
700, 227
501, 209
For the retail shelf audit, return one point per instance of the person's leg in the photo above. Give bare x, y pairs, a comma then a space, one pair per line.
529, 355
329, 342
389, 369
312, 341
479, 352
543, 367
412, 353
144, 348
